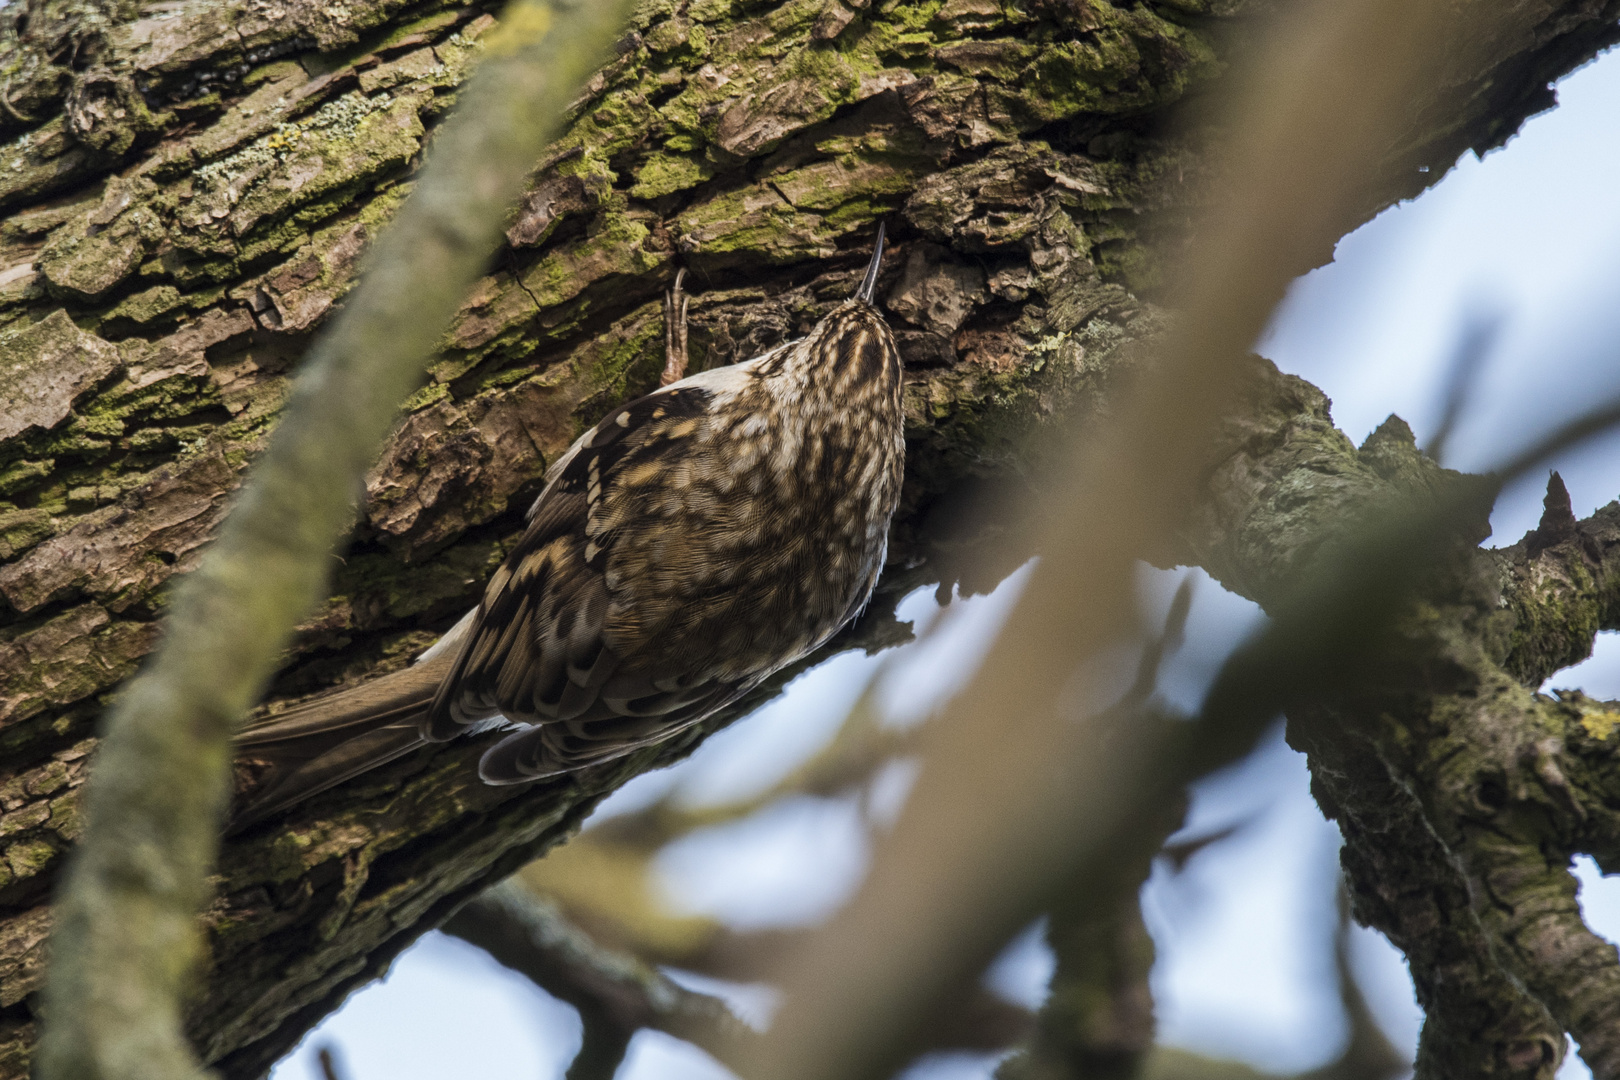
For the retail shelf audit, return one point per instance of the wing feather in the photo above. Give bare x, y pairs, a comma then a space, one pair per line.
535, 753
536, 653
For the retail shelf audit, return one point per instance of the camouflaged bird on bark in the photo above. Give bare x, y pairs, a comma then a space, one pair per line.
186, 187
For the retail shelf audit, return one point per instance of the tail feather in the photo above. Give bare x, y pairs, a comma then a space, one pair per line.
317, 745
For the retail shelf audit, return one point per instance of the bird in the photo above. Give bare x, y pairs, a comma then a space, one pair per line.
691, 543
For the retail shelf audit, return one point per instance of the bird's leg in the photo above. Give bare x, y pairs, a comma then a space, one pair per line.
674, 332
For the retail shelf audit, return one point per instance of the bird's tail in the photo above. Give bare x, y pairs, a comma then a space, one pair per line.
286, 758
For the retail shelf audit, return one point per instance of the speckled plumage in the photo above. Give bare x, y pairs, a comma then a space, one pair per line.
687, 546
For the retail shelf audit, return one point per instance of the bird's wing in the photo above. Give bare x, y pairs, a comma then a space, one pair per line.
537, 651
548, 749
533, 651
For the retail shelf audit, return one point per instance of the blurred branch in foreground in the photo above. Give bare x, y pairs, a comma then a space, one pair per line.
1098, 1017
1016, 794
127, 938
605, 879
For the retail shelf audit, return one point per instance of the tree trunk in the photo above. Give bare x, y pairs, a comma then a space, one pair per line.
187, 187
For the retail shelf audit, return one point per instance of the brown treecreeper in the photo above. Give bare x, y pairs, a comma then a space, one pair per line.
687, 546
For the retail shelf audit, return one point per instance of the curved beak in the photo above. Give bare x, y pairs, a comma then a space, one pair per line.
869, 283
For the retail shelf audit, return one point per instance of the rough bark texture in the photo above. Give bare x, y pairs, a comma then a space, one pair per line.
186, 189
1462, 793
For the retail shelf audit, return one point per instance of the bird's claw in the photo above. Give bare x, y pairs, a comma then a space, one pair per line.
674, 332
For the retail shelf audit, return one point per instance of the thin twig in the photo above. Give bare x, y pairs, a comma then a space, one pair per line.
1586, 426
1368, 1055
1462, 377
611, 989
603, 1044
328, 1063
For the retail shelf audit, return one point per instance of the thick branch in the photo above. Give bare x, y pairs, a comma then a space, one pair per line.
1462, 794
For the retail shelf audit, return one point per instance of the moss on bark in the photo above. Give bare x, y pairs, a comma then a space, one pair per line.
187, 191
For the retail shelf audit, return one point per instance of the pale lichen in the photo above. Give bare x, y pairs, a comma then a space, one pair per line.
338, 120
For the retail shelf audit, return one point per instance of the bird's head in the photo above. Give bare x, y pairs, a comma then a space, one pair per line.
850, 353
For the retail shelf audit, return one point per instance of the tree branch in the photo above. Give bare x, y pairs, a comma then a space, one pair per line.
127, 938
615, 992
1023, 785
1461, 793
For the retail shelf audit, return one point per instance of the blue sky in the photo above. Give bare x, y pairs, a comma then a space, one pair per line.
1528, 238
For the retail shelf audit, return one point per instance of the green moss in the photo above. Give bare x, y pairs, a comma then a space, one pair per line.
428, 25
201, 273
663, 174
91, 496
152, 440
826, 185
166, 399
22, 529
1072, 77
23, 475
83, 436
789, 20
678, 41
1133, 61
319, 213
381, 208
756, 220
835, 72
65, 820
508, 376
274, 71
147, 305
430, 394
345, 142
709, 11
912, 16
621, 363
901, 146
286, 237
1002, 60
457, 55
621, 119
27, 858
1600, 724
615, 247
911, 48
858, 211
1174, 56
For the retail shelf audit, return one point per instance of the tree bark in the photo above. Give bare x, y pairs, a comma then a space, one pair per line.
187, 189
